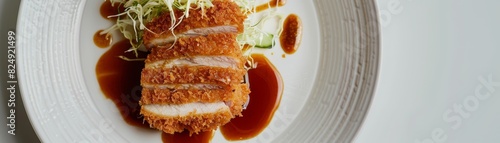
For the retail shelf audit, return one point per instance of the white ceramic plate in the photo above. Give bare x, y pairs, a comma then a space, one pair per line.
329, 81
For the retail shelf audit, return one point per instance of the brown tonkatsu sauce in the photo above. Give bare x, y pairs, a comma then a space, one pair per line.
107, 9
102, 41
270, 4
120, 81
266, 86
292, 34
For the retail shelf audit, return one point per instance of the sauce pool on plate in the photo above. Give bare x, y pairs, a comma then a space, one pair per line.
108, 9
120, 81
266, 86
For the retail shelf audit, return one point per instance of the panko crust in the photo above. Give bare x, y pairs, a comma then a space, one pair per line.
193, 122
164, 81
192, 74
210, 45
238, 99
157, 95
222, 13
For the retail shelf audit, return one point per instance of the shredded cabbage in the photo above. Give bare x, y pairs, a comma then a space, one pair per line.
139, 12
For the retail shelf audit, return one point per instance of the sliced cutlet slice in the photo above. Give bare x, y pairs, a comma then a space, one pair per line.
211, 59
180, 95
195, 117
224, 17
219, 50
192, 74
233, 95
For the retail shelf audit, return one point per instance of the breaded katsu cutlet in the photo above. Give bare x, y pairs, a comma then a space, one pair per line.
204, 66
180, 92
194, 83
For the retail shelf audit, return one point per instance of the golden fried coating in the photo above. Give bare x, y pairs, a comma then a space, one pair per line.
238, 99
212, 45
223, 13
194, 123
157, 95
194, 83
192, 74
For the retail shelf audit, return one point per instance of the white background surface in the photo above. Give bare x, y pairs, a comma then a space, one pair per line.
433, 54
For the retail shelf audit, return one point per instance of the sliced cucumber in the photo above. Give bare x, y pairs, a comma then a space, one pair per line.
265, 41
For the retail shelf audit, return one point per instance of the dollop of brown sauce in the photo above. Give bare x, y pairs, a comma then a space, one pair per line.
102, 41
266, 86
184, 137
107, 9
120, 81
270, 4
292, 34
